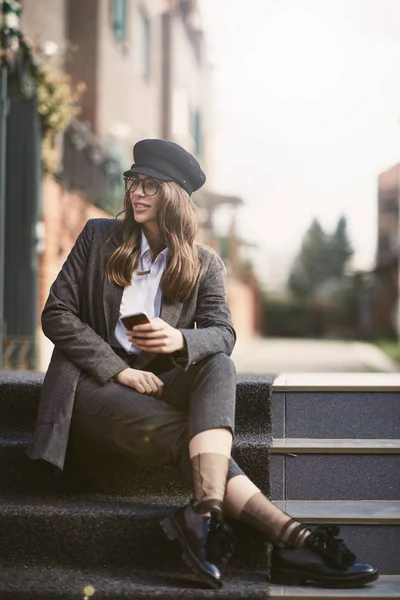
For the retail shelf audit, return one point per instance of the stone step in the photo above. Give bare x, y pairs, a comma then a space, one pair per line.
350, 414
116, 476
20, 391
370, 528
335, 469
97, 532
387, 586
103, 533
25, 582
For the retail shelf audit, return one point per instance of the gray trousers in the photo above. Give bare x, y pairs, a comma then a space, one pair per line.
118, 419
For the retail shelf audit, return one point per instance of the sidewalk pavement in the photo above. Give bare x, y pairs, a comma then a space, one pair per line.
286, 355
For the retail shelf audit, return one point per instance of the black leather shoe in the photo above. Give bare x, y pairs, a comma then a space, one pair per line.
324, 561
206, 542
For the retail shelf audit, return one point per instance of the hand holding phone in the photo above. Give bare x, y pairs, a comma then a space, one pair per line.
131, 321
155, 336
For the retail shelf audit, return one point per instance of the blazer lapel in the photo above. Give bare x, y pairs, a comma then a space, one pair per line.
170, 313
112, 293
112, 296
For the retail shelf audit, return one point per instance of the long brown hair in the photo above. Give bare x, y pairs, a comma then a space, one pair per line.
178, 228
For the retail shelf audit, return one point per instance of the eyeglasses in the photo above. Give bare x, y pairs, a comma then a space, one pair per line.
150, 187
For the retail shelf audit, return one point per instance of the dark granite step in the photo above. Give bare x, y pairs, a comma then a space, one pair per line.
101, 533
385, 588
370, 528
50, 583
303, 471
116, 476
336, 414
20, 390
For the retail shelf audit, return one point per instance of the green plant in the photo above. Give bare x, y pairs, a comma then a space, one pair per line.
58, 103
391, 348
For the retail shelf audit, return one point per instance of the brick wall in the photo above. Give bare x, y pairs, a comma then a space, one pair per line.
242, 299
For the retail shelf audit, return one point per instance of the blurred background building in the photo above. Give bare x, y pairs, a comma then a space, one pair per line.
146, 73
388, 249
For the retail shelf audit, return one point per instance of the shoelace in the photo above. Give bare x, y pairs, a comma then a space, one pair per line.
323, 540
220, 541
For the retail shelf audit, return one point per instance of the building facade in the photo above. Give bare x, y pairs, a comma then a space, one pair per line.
144, 65
146, 73
44, 24
387, 313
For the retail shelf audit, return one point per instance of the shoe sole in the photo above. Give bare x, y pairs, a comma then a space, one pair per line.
174, 532
287, 577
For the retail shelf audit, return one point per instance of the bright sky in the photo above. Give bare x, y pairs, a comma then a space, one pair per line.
307, 114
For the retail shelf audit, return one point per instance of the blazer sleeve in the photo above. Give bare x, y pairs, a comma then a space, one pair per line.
61, 322
214, 332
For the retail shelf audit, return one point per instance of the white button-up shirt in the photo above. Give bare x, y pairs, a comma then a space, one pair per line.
144, 293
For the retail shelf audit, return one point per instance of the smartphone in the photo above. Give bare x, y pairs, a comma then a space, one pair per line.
136, 319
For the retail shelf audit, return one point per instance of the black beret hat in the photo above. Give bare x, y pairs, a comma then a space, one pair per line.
167, 161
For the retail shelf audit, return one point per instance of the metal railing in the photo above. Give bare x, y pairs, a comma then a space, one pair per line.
20, 352
88, 168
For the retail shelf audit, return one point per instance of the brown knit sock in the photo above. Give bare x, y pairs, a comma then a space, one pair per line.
281, 529
210, 471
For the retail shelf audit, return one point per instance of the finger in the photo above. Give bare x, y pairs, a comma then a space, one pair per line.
151, 375
148, 391
141, 385
159, 394
151, 343
158, 383
149, 335
138, 341
147, 381
141, 343
154, 349
136, 385
160, 390
152, 384
153, 326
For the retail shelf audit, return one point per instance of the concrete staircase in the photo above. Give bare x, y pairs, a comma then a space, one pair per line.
58, 536
336, 458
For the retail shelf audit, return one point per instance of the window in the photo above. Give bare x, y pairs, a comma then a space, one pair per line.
118, 19
197, 133
144, 39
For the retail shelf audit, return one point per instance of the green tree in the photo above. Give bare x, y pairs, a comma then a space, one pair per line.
309, 269
321, 262
340, 249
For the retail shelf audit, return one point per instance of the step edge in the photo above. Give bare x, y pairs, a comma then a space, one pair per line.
335, 446
331, 382
47, 505
374, 592
343, 511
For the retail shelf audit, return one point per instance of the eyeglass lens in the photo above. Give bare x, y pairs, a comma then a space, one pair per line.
149, 186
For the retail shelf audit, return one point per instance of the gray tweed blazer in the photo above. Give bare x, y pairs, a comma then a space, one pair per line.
80, 317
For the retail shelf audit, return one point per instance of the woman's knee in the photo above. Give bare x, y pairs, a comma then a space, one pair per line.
220, 361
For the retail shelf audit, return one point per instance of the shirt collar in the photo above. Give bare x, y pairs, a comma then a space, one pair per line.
145, 247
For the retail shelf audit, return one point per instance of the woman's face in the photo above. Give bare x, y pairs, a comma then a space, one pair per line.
144, 193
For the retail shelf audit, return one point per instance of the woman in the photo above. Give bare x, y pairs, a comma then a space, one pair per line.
165, 390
